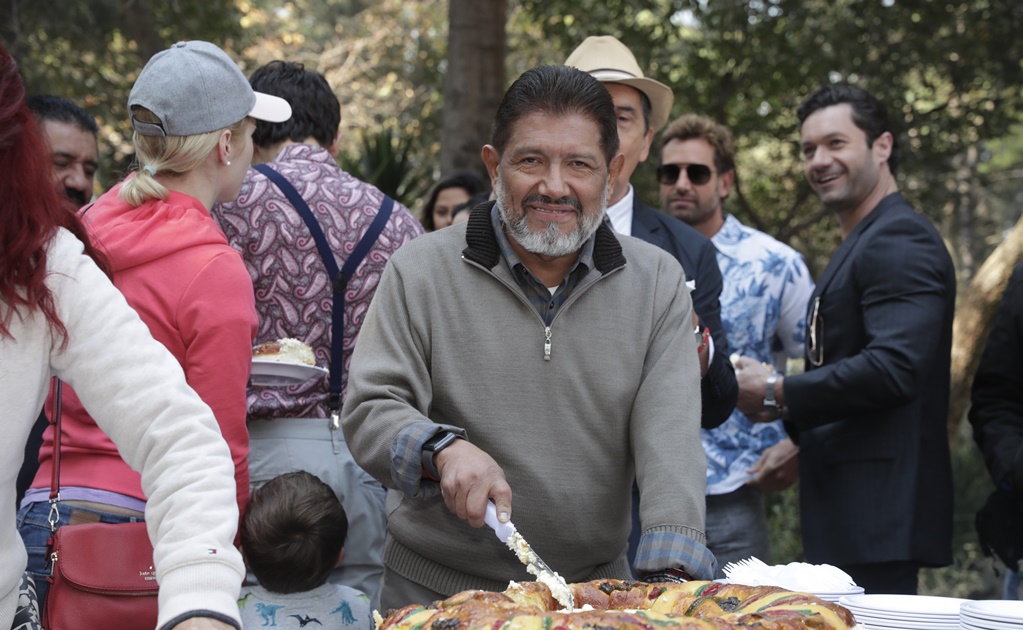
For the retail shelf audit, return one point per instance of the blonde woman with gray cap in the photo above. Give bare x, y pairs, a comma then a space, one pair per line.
192, 112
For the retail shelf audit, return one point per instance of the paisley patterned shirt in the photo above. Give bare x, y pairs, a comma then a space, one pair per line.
763, 307
293, 292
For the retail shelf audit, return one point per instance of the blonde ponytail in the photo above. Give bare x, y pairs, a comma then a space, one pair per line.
168, 156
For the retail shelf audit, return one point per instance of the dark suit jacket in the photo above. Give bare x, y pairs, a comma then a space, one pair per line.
698, 256
874, 466
997, 410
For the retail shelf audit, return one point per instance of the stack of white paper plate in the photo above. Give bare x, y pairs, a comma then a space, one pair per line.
904, 612
991, 615
835, 596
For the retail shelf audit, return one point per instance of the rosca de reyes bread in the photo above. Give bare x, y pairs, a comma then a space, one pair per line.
606, 604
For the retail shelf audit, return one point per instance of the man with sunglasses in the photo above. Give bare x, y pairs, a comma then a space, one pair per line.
870, 411
763, 303
642, 106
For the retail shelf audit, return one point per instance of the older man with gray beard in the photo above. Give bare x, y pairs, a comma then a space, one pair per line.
533, 353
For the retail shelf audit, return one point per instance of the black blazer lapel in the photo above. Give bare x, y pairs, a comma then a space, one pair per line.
842, 253
645, 226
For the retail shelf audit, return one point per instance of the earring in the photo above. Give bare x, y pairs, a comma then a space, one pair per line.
229, 162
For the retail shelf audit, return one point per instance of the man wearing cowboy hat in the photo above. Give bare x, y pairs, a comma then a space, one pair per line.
643, 106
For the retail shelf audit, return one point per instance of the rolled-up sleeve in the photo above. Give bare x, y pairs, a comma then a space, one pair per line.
665, 548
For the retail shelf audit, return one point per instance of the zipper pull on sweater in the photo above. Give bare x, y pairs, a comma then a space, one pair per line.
547, 343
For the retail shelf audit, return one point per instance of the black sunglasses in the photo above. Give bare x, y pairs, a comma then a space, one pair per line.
698, 174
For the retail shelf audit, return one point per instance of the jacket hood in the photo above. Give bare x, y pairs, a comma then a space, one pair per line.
136, 236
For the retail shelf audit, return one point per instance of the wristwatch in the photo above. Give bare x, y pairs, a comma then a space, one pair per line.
433, 446
770, 404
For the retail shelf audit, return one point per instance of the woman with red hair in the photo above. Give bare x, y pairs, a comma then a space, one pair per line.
61, 316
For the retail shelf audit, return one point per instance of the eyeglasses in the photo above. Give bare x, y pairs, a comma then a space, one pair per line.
698, 174
815, 338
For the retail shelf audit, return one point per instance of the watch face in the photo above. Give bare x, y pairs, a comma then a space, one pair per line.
438, 442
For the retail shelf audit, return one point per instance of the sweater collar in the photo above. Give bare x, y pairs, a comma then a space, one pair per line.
482, 246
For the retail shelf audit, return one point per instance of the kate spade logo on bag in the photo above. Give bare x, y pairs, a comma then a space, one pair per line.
148, 574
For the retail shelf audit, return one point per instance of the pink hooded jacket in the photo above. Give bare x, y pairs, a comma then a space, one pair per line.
175, 268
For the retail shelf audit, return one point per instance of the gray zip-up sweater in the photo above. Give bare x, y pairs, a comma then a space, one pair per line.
451, 339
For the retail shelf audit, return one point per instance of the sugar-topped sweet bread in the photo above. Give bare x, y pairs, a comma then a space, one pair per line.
605, 604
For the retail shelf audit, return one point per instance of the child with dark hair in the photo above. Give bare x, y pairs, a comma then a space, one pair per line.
292, 535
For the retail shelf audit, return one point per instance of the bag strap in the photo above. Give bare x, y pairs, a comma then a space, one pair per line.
54, 516
339, 277
55, 423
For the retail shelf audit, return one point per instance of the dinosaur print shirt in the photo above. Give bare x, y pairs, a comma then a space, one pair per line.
331, 606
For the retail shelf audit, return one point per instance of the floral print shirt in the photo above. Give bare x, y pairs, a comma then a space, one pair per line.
763, 308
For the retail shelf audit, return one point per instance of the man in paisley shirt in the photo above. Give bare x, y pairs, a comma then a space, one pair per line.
289, 426
763, 300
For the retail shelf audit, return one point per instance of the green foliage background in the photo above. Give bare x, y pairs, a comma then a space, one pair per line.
950, 71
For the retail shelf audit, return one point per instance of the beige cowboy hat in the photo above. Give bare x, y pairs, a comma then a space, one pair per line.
609, 61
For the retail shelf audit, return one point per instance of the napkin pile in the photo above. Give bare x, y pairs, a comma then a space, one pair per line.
795, 576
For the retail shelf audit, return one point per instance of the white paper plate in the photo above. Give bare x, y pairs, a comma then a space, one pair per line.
996, 610
969, 623
925, 606
266, 373
834, 597
906, 625
852, 591
897, 617
880, 623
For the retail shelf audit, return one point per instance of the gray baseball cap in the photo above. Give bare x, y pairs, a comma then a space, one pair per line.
193, 88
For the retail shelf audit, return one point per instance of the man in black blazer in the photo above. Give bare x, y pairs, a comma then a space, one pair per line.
870, 411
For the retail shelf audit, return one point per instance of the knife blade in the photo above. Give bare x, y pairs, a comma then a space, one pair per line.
510, 536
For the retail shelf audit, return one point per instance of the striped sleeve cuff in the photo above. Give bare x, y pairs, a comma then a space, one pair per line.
407, 458
675, 547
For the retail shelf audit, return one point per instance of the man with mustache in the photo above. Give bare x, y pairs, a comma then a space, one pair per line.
71, 133
532, 353
869, 414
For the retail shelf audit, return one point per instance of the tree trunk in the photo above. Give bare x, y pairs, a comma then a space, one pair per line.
10, 27
474, 82
967, 207
976, 309
138, 21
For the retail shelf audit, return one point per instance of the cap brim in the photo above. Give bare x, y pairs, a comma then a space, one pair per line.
270, 108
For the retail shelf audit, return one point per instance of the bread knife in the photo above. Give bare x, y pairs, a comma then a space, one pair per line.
507, 534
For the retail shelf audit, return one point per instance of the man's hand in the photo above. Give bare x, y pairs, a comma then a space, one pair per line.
203, 623
778, 467
468, 477
752, 378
